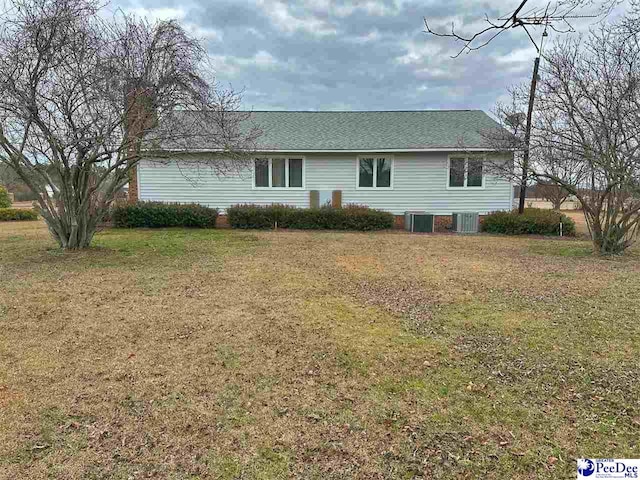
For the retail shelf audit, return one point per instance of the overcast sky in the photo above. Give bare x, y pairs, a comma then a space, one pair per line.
350, 54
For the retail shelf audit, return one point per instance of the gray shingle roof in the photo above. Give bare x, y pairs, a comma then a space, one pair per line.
397, 130
350, 131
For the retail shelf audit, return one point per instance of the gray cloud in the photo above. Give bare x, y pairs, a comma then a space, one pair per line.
358, 54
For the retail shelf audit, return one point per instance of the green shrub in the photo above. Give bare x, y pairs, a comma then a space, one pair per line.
159, 215
17, 214
5, 200
254, 216
351, 217
534, 221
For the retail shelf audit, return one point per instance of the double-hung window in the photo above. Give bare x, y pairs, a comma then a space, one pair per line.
375, 172
465, 172
278, 172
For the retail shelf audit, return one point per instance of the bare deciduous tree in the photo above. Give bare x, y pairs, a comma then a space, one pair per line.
586, 132
629, 25
553, 193
556, 16
511, 137
83, 98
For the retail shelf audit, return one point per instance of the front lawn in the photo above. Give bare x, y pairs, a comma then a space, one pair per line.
190, 354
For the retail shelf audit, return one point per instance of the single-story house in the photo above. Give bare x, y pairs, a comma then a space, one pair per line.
433, 161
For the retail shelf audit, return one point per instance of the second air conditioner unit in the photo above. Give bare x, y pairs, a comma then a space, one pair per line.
466, 222
418, 222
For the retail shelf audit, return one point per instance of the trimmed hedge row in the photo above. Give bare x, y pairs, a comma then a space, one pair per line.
534, 221
159, 215
351, 217
17, 214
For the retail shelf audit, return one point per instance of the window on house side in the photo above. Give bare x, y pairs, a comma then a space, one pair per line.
383, 173
474, 173
465, 172
366, 172
456, 172
374, 172
295, 172
262, 172
278, 173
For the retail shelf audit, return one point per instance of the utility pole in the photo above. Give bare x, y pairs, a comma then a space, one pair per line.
527, 136
526, 155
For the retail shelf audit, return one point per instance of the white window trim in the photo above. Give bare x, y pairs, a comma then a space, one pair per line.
466, 171
375, 171
286, 172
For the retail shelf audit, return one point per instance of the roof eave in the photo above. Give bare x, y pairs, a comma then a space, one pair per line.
379, 150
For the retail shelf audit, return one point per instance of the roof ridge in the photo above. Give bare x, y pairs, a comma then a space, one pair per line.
369, 111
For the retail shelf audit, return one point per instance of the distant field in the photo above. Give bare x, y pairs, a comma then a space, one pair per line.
23, 205
578, 217
541, 203
181, 354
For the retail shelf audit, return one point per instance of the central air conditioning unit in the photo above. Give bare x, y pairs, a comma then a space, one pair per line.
418, 222
466, 222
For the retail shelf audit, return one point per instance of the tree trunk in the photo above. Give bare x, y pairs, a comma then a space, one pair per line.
527, 137
612, 244
72, 233
612, 240
72, 217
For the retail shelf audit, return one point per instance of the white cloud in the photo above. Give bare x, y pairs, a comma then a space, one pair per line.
341, 10
280, 15
418, 52
169, 13
264, 59
372, 36
370, 7
436, 73
206, 33
520, 55
232, 66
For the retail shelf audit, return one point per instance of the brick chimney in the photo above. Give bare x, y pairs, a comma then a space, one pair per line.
140, 117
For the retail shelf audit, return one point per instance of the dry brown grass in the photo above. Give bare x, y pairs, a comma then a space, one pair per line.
224, 354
